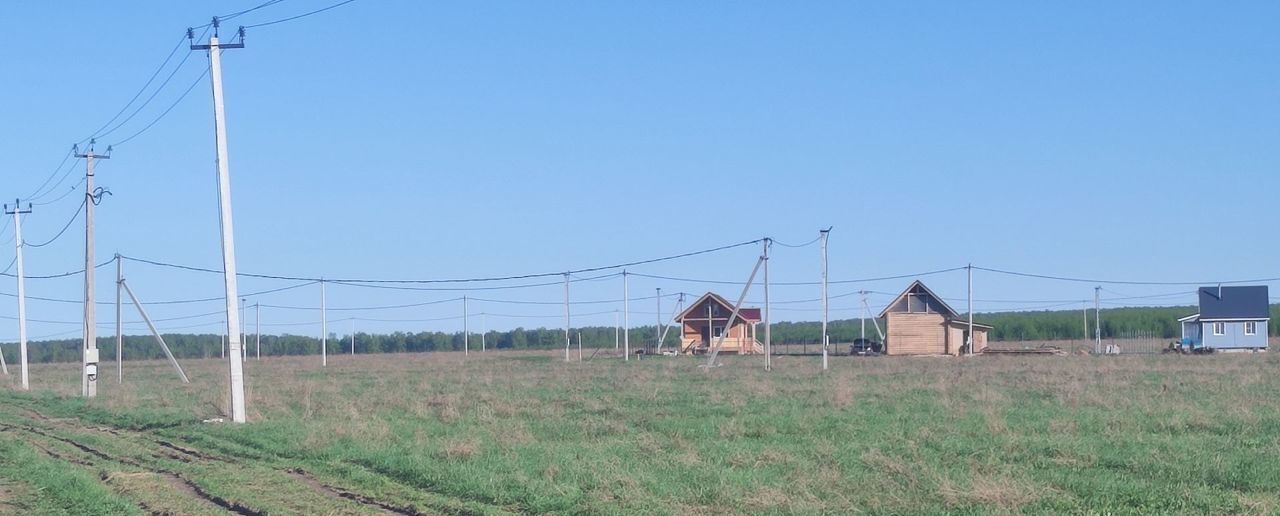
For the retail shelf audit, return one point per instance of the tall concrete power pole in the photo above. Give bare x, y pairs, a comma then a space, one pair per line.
626, 320
235, 365
826, 341
89, 352
17, 212
768, 335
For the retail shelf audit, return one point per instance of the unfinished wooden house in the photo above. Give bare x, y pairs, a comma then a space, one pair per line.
704, 322
918, 322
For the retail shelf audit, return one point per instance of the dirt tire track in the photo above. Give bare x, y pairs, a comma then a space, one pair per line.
338, 493
179, 482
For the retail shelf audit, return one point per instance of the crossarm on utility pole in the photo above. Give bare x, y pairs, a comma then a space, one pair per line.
715, 350
152, 327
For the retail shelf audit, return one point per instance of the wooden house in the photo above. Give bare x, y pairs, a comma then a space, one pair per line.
1230, 319
918, 322
704, 322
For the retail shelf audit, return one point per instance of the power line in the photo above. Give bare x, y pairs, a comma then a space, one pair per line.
53, 174
64, 194
61, 231
1119, 282
268, 3
153, 94
142, 89
303, 15
806, 244
362, 308
452, 280
167, 110
798, 283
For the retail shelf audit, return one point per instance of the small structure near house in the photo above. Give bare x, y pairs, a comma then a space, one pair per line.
1230, 319
704, 322
918, 322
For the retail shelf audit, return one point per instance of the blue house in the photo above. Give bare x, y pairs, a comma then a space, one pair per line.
1230, 318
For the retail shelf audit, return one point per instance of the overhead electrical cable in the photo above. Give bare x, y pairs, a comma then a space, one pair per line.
166, 111
61, 231
303, 15
1120, 282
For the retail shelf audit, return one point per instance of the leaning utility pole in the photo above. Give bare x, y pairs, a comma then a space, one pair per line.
235, 364
17, 212
825, 339
89, 353
768, 338
1097, 320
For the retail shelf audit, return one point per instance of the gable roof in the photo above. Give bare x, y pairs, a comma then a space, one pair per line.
950, 311
750, 315
1248, 302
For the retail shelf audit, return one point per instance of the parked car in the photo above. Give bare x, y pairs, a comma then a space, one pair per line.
865, 347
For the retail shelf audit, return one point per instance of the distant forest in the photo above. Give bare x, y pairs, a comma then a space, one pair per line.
1158, 322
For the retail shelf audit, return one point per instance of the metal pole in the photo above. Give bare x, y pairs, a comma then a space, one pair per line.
825, 339
768, 339
235, 365
970, 338
567, 340
22, 294
626, 320
156, 334
324, 329
466, 334
119, 322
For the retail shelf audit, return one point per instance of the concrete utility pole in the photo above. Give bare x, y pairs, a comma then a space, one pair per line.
658, 329
969, 339
484, 328
466, 333
617, 332
89, 353
768, 335
257, 329
235, 365
119, 321
567, 340
324, 329
244, 347
863, 317
626, 320
17, 212
825, 340
1097, 320
353, 336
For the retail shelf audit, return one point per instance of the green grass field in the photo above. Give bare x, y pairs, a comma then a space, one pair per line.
512, 432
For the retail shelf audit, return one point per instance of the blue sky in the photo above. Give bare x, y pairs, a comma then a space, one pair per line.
405, 139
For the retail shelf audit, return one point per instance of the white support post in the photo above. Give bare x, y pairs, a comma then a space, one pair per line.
257, 329
626, 320
579, 346
18, 244
657, 333
567, 341
119, 322
324, 329
768, 334
235, 363
466, 333
617, 332
825, 340
484, 328
733, 316
353, 336
1097, 320
89, 356
970, 340
155, 333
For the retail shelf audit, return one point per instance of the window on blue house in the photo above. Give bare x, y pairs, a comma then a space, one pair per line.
1251, 328
1219, 328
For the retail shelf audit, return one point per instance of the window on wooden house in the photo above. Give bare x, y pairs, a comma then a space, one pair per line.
719, 331
1219, 328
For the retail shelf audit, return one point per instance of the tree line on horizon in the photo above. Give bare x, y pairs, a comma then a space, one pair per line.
1154, 322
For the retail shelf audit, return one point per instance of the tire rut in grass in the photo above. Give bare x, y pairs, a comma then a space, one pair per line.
339, 493
179, 482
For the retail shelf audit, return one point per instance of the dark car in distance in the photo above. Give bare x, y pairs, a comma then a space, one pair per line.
865, 347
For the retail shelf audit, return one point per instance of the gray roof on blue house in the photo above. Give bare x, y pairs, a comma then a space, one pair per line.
1234, 303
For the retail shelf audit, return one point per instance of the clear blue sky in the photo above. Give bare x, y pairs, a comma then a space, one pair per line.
407, 139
